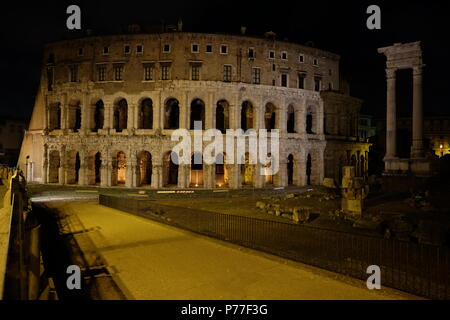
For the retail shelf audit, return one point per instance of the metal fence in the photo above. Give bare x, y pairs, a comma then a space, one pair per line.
415, 268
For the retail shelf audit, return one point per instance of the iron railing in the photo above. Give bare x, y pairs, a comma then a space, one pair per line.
419, 269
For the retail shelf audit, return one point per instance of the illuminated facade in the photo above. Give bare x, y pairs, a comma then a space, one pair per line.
107, 106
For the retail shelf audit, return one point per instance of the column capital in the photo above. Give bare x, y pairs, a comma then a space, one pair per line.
391, 73
417, 70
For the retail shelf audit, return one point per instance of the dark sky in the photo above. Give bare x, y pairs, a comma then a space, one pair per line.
337, 26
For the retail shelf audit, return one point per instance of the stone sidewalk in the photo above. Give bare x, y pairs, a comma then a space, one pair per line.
154, 261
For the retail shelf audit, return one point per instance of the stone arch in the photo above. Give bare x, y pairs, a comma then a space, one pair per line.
270, 116
197, 113
247, 171
222, 115
311, 120
290, 126
120, 114
197, 172
54, 163
269, 178
290, 169
54, 110
221, 171
98, 115
119, 168
170, 169
247, 115
145, 168
73, 167
145, 116
362, 166
94, 164
74, 115
308, 169
171, 114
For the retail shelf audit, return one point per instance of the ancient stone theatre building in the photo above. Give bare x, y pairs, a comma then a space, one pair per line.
107, 105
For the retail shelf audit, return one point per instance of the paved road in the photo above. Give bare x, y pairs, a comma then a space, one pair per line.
156, 261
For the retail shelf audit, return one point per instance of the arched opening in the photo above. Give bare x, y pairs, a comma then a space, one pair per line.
222, 116
75, 116
170, 173
98, 166
247, 171
94, 163
145, 168
172, 114
362, 166
196, 170
247, 115
54, 117
120, 115
54, 165
290, 170
99, 115
146, 114
73, 167
290, 119
268, 175
221, 171
309, 120
119, 169
308, 169
197, 113
77, 168
270, 116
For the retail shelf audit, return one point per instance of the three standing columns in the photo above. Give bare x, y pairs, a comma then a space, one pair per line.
417, 116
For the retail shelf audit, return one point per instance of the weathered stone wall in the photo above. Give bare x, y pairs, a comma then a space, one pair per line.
65, 139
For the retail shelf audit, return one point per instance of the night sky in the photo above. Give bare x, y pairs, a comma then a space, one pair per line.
337, 26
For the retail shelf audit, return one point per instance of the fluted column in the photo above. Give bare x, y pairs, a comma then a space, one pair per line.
417, 143
391, 117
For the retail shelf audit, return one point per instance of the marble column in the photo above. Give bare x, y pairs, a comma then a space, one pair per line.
417, 132
391, 117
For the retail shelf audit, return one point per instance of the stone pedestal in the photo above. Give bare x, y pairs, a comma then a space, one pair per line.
354, 191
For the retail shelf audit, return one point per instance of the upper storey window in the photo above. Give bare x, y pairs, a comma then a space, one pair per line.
271, 54
209, 48
301, 58
50, 78
195, 48
317, 83
315, 62
80, 51
126, 49
227, 73
301, 80
284, 80
101, 72
73, 70
51, 59
118, 71
251, 53
223, 49
139, 49
256, 75
166, 48
284, 55
148, 71
195, 72
165, 71
105, 50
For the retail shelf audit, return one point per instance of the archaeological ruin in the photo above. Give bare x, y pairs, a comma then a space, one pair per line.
107, 105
